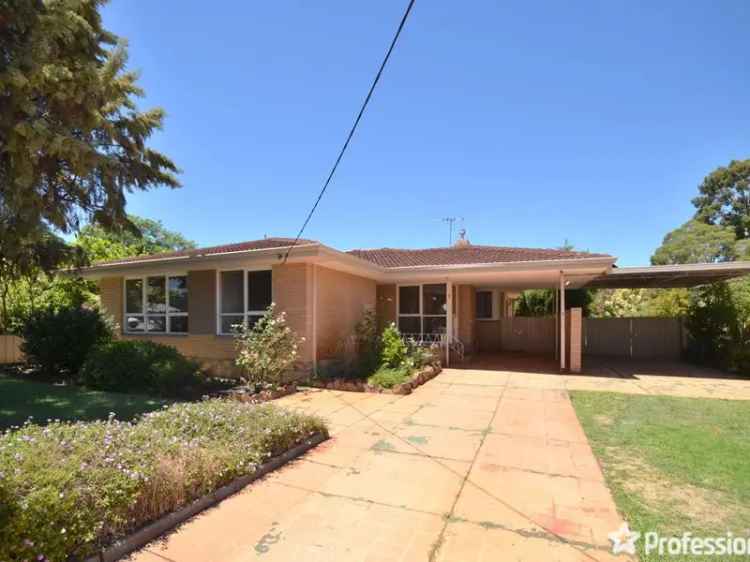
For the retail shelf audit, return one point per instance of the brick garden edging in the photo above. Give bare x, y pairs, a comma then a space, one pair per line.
153, 530
427, 373
241, 395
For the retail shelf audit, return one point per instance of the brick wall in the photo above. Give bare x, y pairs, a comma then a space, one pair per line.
385, 308
342, 300
293, 293
467, 316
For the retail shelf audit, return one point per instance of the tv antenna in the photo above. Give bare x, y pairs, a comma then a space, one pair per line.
451, 221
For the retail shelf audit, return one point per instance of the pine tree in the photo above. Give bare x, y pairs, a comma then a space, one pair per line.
72, 139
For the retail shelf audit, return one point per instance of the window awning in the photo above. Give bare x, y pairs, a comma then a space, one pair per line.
669, 276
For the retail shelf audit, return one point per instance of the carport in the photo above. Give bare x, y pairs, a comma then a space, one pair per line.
530, 343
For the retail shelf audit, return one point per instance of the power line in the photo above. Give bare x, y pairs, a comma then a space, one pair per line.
354, 128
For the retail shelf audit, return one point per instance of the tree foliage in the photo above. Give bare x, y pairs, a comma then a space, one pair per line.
630, 303
724, 198
100, 244
696, 242
72, 139
541, 302
26, 286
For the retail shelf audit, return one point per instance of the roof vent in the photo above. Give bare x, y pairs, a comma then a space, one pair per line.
462, 241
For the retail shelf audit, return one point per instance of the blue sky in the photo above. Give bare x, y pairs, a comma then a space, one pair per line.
535, 121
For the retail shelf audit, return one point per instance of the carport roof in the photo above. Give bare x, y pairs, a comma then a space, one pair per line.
669, 276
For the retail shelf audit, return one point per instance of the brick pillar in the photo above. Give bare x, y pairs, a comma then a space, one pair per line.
575, 332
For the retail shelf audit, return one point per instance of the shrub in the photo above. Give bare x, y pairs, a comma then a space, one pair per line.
267, 350
368, 343
58, 340
69, 489
712, 324
394, 348
388, 378
418, 356
141, 366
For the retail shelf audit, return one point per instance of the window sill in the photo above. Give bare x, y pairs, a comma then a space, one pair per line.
160, 334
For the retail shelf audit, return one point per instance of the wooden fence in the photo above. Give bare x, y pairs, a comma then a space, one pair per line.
636, 338
10, 349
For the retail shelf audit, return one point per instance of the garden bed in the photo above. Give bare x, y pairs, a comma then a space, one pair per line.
70, 490
353, 385
244, 394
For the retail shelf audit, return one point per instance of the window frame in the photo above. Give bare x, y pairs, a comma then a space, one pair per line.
421, 315
494, 300
144, 305
245, 313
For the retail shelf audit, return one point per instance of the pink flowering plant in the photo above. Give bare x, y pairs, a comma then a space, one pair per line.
266, 350
69, 489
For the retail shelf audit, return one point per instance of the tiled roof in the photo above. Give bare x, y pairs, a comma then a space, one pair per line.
264, 244
464, 255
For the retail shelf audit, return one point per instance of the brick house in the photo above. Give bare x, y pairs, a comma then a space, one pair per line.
454, 296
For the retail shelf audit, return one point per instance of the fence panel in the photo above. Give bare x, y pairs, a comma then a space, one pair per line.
638, 338
10, 349
529, 334
657, 338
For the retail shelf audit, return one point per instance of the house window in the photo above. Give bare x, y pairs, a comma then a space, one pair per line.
156, 305
422, 309
485, 310
244, 297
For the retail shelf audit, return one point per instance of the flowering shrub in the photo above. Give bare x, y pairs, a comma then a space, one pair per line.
267, 350
394, 350
68, 489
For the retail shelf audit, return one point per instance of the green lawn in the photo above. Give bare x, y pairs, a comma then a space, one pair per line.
673, 464
20, 399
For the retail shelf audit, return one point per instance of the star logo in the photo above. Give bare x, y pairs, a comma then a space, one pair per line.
623, 539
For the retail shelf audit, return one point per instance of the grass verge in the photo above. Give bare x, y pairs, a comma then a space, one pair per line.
67, 489
21, 399
674, 465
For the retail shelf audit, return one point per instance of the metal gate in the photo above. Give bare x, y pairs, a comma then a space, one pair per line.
637, 338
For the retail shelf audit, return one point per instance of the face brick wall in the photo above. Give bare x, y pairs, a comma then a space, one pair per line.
386, 305
342, 300
293, 293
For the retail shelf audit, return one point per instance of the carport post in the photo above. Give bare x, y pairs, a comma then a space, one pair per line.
448, 321
562, 321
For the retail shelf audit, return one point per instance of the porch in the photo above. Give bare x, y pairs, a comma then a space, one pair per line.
467, 320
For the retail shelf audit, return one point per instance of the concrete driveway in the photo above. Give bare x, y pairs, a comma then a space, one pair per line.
473, 466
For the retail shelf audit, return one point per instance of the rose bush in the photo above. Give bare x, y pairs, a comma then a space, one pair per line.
267, 350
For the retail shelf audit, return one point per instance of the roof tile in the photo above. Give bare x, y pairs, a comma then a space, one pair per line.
464, 255
264, 244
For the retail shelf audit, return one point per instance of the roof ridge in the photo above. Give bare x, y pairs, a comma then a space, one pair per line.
468, 247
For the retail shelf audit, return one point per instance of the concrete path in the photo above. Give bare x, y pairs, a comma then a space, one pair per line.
630, 376
473, 466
